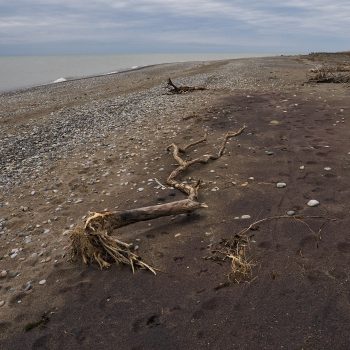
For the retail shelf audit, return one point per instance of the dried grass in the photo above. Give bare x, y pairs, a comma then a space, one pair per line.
235, 251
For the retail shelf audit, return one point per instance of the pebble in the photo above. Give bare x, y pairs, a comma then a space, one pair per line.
3, 273
302, 167
281, 185
313, 203
290, 212
244, 217
274, 122
140, 189
2, 303
28, 286
42, 282
327, 168
269, 153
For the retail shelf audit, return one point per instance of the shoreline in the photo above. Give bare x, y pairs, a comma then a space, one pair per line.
126, 70
100, 144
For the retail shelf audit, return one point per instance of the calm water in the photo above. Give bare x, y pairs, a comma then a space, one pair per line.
27, 71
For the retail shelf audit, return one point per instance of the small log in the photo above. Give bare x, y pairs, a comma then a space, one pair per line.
181, 89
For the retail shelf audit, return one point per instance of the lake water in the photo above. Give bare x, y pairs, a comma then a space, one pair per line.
27, 71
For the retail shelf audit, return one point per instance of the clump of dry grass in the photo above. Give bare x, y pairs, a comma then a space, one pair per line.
235, 251
98, 246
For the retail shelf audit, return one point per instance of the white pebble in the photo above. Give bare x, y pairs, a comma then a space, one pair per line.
140, 189
42, 282
302, 167
313, 203
281, 185
290, 212
3, 273
327, 168
2, 303
244, 217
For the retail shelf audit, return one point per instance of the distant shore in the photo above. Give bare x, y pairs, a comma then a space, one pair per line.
29, 71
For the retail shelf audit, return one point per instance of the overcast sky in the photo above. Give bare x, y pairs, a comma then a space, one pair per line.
146, 26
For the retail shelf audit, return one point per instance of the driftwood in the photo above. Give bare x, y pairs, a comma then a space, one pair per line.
181, 89
92, 240
330, 74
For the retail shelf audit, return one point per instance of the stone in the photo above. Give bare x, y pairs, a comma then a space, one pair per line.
3, 274
327, 168
42, 282
274, 122
290, 212
140, 189
2, 303
245, 217
269, 153
281, 185
302, 167
28, 286
313, 203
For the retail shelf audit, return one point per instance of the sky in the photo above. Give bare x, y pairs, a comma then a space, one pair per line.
31, 27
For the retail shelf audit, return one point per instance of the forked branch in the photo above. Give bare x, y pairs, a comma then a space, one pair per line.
92, 240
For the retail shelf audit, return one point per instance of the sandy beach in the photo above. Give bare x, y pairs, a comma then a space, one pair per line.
101, 144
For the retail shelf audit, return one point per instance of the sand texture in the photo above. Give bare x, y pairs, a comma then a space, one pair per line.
101, 144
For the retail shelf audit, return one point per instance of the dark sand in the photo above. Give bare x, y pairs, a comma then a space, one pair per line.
299, 296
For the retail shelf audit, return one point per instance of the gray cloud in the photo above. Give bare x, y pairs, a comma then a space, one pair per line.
199, 22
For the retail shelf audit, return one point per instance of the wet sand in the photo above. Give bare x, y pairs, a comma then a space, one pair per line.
298, 296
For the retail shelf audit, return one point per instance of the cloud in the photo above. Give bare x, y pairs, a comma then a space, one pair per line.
172, 22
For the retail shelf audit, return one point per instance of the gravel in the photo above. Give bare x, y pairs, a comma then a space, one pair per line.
27, 149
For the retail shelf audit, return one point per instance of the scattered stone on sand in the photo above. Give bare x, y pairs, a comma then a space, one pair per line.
313, 203
281, 185
3, 273
42, 282
2, 303
290, 212
245, 217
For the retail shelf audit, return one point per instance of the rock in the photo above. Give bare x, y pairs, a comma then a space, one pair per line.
302, 167
12, 274
42, 282
3, 274
281, 185
274, 122
28, 286
140, 189
290, 212
269, 153
313, 203
2, 303
245, 217
327, 168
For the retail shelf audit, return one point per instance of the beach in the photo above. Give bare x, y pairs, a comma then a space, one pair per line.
100, 143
